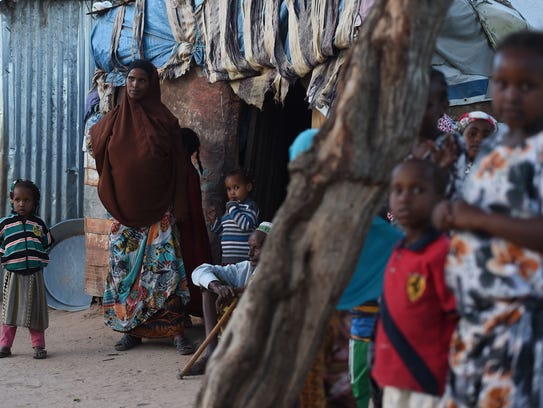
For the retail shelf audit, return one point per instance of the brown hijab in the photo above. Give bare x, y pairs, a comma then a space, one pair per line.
140, 158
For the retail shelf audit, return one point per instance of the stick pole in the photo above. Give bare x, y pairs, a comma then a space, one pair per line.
223, 320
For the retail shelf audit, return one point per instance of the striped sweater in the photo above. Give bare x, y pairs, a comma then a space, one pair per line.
23, 244
235, 227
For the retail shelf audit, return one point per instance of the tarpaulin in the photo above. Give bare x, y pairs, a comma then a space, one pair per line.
158, 40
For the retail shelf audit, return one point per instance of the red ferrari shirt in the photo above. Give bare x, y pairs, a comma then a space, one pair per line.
417, 318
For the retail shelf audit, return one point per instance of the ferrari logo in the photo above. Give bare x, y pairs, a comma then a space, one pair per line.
416, 284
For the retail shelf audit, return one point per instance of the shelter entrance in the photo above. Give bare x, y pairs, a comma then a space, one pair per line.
265, 137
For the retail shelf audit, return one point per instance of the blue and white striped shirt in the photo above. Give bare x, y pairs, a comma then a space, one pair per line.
235, 227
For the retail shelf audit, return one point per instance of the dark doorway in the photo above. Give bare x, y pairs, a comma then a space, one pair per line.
264, 141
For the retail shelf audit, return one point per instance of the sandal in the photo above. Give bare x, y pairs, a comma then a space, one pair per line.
183, 345
5, 352
40, 353
127, 342
187, 321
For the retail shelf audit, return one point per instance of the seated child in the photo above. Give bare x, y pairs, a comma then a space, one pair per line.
417, 310
220, 285
239, 220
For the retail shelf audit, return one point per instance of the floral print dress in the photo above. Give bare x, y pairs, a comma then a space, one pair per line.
496, 355
146, 286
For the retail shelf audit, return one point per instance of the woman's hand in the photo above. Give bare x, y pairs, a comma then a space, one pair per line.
459, 215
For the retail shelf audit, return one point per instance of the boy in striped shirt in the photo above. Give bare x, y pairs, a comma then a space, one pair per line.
239, 220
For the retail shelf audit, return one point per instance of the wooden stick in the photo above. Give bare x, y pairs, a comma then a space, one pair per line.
223, 320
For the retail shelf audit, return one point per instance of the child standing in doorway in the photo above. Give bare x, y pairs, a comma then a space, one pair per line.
239, 220
495, 263
417, 311
24, 238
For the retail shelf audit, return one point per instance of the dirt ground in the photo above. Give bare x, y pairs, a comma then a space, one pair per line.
84, 370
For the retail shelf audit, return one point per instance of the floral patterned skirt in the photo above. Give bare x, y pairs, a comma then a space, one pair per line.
146, 287
496, 360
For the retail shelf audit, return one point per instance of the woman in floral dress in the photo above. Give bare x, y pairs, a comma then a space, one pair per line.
151, 189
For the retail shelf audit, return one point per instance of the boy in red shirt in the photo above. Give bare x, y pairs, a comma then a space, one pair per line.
417, 310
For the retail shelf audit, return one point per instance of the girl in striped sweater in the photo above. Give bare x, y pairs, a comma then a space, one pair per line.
24, 238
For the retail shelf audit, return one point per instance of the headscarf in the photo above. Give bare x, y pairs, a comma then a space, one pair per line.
140, 158
302, 143
446, 124
469, 117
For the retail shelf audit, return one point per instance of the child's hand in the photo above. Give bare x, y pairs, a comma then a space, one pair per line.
447, 153
457, 215
466, 216
444, 156
211, 214
423, 149
443, 216
232, 204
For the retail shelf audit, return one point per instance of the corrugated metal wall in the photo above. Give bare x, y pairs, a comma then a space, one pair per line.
46, 73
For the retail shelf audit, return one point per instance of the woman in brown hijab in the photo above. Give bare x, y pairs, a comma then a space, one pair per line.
149, 186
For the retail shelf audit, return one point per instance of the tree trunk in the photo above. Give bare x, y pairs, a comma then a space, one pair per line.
335, 190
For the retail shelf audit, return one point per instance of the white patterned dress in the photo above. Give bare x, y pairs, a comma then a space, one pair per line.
496, 355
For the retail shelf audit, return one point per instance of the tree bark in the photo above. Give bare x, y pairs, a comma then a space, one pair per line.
335, 190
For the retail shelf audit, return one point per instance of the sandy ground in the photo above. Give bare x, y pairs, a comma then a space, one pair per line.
84, 370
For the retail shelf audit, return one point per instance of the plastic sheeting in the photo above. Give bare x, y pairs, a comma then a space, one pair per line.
229, 51
531, 10
464, 47
158, 41
463, 51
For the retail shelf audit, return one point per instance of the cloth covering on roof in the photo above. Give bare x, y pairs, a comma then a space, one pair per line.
162, 31
256, 45
266, 45
262, 46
